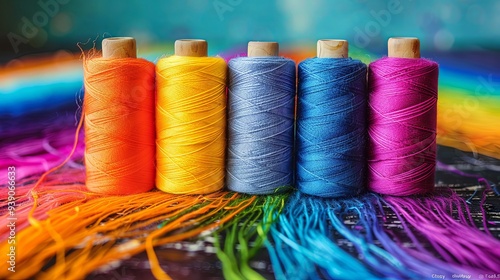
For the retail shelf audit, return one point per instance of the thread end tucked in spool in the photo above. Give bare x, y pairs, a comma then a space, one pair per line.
332, 48
119, 47
403, 47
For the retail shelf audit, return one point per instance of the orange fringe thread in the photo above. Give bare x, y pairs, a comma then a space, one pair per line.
83, 234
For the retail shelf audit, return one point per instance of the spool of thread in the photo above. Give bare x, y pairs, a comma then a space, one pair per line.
331, 122
403, 92
190, 120
261, 104
119, 119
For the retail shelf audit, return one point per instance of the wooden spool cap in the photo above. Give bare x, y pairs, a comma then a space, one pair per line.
119, 47
403, 47
263, 49
191, 47
332, 48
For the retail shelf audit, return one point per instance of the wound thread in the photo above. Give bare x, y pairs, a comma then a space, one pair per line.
331, 127
402, 125
261, 100
119, 125
190, 124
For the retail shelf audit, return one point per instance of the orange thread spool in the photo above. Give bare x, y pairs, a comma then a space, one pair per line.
119, 120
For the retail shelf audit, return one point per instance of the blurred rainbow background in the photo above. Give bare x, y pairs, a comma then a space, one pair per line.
41, 71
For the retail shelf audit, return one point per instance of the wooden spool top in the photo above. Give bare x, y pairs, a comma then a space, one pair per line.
403, 47
119, 47
191, 47
332, 48
263, 49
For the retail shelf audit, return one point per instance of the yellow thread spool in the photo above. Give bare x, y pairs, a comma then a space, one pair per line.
190, 120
